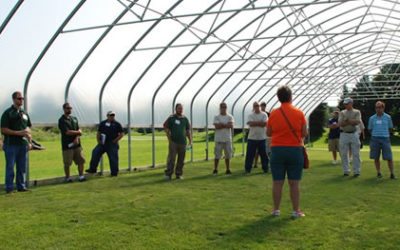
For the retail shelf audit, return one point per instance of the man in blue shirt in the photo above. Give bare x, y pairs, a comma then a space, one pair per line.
380, 125
108, 135
334, 135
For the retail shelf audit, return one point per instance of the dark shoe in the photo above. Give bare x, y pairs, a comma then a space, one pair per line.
113, 175
228, 172
9, 191
379, 175
215, 172
255, 166
266, 171
356, 175
90, 171
82, 178
345, 174
68, 180
23, 190
393, 177
179, 177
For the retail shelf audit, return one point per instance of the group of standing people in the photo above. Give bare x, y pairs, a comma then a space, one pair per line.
15, 127
281, 134
347, 132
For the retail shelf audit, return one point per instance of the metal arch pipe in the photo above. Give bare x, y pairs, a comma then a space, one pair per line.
169, 75
195, 72
135, 84
92, 49
39, 58
10, 15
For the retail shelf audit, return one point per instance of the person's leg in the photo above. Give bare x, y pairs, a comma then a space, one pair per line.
181, 160
112, 153
228, 155
344, 152
261, 147
217, 155
256, 160
21, 157
10, 155
250, 154
295, 194
97, 152
388, 155
277, 193
377, 166
79, 160
171, 159
67, 159
355, 149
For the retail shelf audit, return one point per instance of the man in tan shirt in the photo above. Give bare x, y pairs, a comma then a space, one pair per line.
349, 138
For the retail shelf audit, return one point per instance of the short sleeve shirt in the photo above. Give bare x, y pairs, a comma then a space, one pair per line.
335, 132
224, 134
178, 127
282, 135
353, 114
257, 133
380, 125
110, 129
15, 119
64, 124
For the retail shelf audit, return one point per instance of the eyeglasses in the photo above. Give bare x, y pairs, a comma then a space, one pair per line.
112, 115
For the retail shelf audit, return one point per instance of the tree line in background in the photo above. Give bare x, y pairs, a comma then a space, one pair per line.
383, 86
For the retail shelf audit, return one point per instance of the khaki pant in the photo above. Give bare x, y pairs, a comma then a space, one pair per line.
349, 141
174, 150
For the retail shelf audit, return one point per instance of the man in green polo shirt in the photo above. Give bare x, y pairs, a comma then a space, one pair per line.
71, 143
177, 128
15, 127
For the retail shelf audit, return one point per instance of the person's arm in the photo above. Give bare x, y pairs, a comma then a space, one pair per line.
304, 131
166, 129
23, 133
357, 120
269, 131
216, 123
120, 134
188, 134
390, 125
342, 121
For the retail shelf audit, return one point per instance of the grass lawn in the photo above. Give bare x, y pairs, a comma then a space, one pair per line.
142, 211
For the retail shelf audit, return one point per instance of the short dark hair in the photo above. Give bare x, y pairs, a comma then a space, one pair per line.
284, 94
177, 105
15, 94
222, 104
263, 104
65, 105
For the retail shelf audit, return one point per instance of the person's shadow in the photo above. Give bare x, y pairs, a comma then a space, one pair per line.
258, 231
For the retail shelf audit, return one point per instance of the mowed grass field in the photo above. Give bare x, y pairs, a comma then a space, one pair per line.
143, 211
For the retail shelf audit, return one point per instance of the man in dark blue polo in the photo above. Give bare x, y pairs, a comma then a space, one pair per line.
108, 135
15, 127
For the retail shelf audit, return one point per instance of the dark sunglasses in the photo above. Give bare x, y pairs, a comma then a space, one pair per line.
68, 108
20, 98
111, 115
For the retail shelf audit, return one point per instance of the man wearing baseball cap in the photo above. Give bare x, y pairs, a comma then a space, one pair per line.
349, 118
334, 135
108, 135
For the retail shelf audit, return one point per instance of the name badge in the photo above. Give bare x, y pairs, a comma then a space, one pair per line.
177, 122
108, 124
25, 117
379, 122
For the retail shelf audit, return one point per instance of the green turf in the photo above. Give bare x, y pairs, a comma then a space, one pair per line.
142, 211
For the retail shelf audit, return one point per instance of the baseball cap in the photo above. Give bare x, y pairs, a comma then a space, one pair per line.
110, 113
347, 100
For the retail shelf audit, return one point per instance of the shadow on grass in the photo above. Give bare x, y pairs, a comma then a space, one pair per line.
258, 231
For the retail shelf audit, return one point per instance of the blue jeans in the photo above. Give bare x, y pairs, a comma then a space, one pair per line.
252, 147
15, 155
112, 153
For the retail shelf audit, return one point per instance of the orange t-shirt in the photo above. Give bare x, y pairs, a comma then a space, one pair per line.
281, 133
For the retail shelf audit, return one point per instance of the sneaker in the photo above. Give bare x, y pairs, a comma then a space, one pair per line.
297, 214
393, 177
82, 178
23, 190
334, 162
276, 213
379, 175
179, 177
346, 174
167, 177
68, 180
356, 175
215, 172
89, 171
228, 172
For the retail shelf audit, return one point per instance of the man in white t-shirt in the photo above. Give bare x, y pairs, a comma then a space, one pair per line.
223, 137
256, 140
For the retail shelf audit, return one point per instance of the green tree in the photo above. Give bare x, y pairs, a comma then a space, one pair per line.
318, 119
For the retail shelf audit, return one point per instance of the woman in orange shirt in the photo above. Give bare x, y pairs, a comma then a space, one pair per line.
287, 127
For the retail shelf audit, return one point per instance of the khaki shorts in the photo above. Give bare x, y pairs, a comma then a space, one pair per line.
226, 146
333, 145
75, 155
